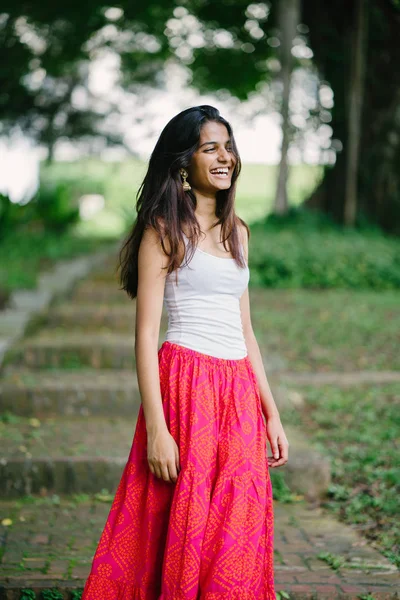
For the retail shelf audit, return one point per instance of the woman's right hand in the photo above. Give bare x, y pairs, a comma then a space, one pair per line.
163, 454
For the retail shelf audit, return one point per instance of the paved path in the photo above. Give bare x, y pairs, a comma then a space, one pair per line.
52, 544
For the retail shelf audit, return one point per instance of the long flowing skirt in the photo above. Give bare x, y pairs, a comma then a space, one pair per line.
209, 535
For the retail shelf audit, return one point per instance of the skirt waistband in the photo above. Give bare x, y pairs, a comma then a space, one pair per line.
208, 358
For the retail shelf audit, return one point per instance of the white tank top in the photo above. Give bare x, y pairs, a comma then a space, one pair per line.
203, 307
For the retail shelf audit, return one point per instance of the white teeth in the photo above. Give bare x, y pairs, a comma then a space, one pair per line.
220, 171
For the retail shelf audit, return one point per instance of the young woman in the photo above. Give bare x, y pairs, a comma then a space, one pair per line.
192, 518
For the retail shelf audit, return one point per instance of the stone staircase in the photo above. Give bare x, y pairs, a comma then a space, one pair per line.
69, 402
72, 391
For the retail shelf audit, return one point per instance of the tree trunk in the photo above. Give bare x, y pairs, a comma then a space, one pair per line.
356, 93
375, 194
289, 11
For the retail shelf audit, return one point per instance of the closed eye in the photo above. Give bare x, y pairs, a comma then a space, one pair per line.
229, 148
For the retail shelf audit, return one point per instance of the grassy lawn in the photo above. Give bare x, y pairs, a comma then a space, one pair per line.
330, 330
359, 429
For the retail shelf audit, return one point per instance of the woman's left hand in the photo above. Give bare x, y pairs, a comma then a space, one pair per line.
278, 441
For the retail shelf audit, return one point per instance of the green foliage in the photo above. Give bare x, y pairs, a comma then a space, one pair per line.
49, 594
12, 215
44, 111
52, 594
9, 417
282, 492
27, 594
55, 208
307, 250
55, 205
333, 560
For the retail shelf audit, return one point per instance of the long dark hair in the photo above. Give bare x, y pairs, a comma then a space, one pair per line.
162, 203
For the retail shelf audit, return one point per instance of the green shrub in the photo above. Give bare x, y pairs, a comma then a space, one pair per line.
307, 250
12, 215
52, 594
55, 206
27, 594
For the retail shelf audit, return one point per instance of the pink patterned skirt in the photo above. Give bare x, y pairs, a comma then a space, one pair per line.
209, 535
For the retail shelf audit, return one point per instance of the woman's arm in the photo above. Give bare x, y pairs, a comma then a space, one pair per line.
276, 435
162, 450
149, 303
268, 404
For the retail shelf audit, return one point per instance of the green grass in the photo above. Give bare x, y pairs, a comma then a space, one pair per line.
359, 429
335, 330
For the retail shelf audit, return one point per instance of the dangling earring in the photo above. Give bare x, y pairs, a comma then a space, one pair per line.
186, 185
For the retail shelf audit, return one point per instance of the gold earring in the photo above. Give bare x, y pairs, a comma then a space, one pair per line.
186, 185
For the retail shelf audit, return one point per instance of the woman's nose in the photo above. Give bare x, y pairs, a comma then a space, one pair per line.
223, 155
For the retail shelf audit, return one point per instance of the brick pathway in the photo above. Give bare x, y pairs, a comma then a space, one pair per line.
51, 545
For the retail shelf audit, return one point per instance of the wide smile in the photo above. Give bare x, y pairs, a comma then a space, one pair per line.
220, 172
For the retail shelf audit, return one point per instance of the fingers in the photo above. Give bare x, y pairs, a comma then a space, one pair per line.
177, 459
173, 474
280, 450
167, 471
274, 447
284, 449
163, 458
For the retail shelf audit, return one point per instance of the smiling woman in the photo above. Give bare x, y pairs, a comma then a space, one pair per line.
193, 513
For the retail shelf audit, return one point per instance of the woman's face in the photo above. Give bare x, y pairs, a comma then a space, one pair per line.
213, 162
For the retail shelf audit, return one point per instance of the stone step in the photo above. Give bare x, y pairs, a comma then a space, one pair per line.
96, 317
60, 349
63, 455
99, 292
69, 392
66, 455
105, 274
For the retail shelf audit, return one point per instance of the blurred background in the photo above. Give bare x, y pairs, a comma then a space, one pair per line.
312, 94
312, 90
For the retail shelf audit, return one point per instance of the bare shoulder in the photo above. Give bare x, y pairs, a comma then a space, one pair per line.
151, 247
244, 236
